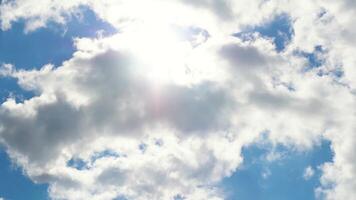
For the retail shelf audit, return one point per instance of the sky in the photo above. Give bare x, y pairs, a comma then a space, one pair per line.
177, 100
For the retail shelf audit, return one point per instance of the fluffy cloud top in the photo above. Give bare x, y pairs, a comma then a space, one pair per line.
161, 109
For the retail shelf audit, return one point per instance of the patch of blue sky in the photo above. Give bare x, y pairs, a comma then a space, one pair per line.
143, 147
279, 29
103, 154
10, 88
178, 197
81, 164
314, 59
15, 186
53, 44
120, 198
78, 164
281, 179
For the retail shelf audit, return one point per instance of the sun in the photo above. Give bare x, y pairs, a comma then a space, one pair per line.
159, 38
160, 52
164, 54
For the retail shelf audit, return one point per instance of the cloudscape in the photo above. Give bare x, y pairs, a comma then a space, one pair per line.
177, 100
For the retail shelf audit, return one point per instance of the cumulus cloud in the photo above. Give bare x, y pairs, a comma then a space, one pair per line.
162, 109
101, 100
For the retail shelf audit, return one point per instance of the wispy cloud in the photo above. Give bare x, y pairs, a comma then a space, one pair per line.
308, 173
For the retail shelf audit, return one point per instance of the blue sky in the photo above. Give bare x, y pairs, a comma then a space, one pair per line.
14, 185
278, 29
53, 44
283, 176
177, 100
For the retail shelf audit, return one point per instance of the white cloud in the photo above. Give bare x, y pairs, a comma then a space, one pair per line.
308, 173
212, 15
192, 106
274, 156
101, 99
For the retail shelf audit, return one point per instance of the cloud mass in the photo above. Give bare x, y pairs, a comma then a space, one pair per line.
162, 108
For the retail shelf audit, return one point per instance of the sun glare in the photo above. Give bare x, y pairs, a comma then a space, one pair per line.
155, 38
162, 53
